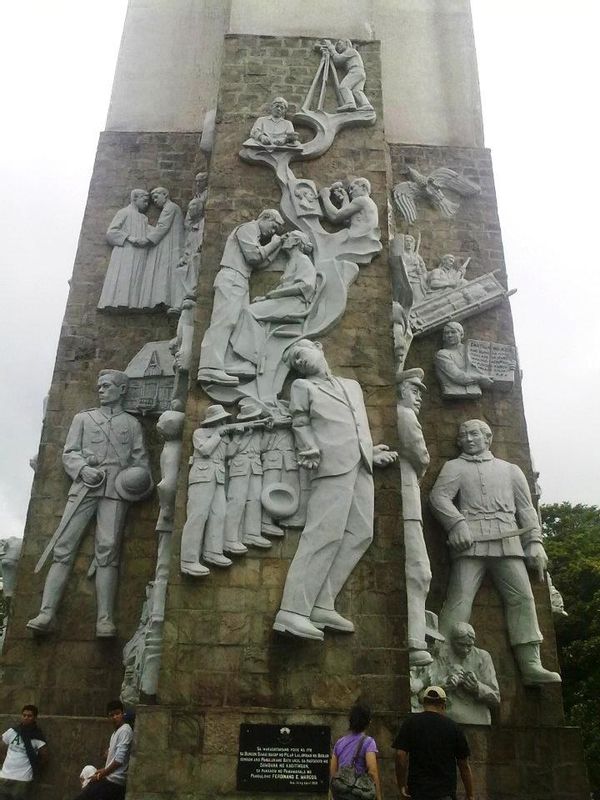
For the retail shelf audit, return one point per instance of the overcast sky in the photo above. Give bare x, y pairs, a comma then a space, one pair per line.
539, 68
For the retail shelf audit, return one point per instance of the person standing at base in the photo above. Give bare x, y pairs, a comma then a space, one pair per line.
25, 752
109, 782
429, 747
356, 749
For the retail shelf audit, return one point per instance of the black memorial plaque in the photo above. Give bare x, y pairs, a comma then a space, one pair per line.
284, 758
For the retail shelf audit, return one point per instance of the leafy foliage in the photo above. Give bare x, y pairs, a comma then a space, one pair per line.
573, 546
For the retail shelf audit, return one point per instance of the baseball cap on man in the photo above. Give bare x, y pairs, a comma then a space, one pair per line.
434, 693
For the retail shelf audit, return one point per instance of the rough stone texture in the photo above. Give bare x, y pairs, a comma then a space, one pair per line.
71, 672
168, 69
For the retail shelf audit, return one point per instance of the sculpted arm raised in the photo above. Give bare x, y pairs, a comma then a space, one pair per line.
255, 254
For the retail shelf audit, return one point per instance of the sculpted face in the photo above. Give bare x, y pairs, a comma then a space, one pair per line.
448, 262
409, 244
268, 226
195, 209
472, 440
452, 336
410, 396
110, 393
341, 45
159, 197
309, 360
462, 645
278, 108
141, 201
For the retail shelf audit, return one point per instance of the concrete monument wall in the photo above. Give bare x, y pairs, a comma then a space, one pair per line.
167, 74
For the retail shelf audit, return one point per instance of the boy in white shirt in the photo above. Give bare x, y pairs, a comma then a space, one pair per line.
108, 783
25, 750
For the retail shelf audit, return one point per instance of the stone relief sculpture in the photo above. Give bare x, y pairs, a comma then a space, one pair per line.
274, 131
170, 429
244, 251
414, 266
128, 235
467, 675
10, 553
105, 456
151, 379
478, 499
350, 88
463, 368
288, 302
430, 188
188, 267
413, 459
203, 532
358, 213
243, 513
280, 495
306, 199
158, 285
333, 440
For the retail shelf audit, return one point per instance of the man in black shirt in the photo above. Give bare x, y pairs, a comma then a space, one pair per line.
429, 746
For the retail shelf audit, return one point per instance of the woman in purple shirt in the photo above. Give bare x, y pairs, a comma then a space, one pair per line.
345, 748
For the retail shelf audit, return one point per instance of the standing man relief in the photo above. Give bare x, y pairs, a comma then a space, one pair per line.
478, 499
105, 456
331, 428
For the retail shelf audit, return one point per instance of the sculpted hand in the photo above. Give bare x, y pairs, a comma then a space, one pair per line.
309, 459
471, 683
90, 475
536, 558
383, 456
453, 680
460, 537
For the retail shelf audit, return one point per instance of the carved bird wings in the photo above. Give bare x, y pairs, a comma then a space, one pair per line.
430, 187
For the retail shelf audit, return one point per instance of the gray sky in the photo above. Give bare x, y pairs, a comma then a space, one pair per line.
538, 62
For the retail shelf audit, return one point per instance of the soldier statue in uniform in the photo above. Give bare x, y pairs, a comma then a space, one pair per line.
104, 454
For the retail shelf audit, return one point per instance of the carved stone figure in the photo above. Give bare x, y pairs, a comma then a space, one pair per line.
414, 460
457, 377
274, 130
244, 251
288, 302
104, 454
448, 274
128, 235
466, 673
10, 553
188, 268
358, 212
280, 471
306, 199
478, 499
170, 429
203, 532
243, 515
158, 286
331, 428
415, 268
429, 188
348, 59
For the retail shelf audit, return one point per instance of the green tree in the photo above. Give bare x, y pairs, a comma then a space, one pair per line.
573, 546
